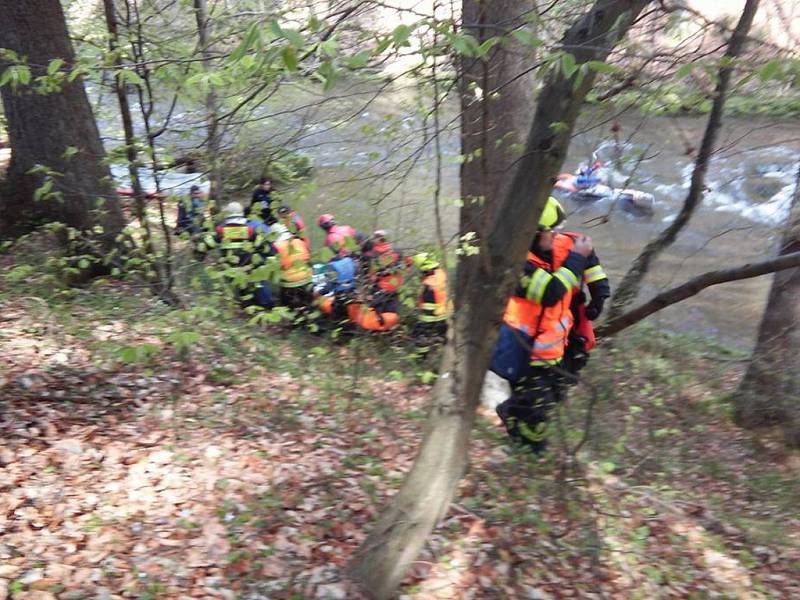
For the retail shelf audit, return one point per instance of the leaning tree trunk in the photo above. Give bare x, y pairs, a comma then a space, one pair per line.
769, 394
628, 288
44, 129
484, 284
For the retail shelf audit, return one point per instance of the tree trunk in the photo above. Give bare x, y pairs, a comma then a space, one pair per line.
43, 127
484, 284
213, 143
629, 287
496, 103
769, 394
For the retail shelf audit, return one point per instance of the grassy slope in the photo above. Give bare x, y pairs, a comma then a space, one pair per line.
251, 465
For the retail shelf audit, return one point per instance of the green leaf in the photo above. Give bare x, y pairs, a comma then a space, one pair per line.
54, 66
7, 75
602, 67
329, 47
769, 70
294, 37
400, 35
289, 56
684, 70
528, 38
484, 48
328, 74
276, 28
126, 76
383, 44
70, 152
359, 60
83, 263
248, 42
23, 74
607, 466
43, 190
568, 66
464, 44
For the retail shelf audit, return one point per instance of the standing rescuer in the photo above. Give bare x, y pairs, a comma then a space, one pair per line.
261, 202
241, 244
190, 212
433, 305
537, 332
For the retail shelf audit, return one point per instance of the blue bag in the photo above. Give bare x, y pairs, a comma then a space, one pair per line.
512, 353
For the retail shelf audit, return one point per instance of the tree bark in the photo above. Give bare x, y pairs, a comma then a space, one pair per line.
497, 95
42, 127
484, 284
701, 282
769, 393
629, 287
213, 143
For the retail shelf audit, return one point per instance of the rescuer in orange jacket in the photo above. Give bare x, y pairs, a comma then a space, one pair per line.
295, 268
538, 324
433, 305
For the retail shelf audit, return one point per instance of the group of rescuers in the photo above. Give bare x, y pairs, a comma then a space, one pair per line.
546, 333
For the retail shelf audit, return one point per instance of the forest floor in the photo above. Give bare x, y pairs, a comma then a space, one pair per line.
150, 452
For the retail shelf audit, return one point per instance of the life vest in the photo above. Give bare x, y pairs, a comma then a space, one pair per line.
344, 269
338, 236
295, 269
370, 319
441, 307
548, 326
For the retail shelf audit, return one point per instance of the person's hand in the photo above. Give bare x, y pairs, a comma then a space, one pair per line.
594, 308
583, 246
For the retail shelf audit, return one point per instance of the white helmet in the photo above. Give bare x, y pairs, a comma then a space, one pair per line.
234, 209
280, 232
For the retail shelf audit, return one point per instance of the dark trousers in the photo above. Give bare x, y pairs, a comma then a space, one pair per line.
296, 298
525, 412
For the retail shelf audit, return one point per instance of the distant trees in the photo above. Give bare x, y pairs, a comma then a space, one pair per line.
56, 172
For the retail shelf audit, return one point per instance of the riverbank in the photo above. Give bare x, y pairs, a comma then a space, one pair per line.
159, 453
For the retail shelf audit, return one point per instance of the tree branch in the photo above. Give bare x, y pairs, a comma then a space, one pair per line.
695, 286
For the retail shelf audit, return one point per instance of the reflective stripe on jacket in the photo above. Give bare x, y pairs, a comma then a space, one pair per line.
434, 287
548, 326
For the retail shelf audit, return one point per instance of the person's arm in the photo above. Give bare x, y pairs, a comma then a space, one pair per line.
599, 288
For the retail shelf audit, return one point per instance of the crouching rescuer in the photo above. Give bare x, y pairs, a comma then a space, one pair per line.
547, 331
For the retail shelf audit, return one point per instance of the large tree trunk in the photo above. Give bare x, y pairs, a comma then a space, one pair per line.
770, 391
484, 284
497, 97
42, 127
629, 287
